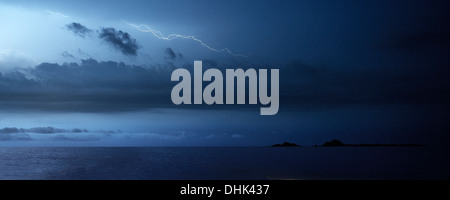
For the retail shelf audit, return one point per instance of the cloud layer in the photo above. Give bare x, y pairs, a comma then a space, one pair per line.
90, 86
42, 130
94, 86
76, 134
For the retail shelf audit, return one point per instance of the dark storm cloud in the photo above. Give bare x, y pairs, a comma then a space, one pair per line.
10, 130
88, 87
119, 40
50, 130
93, 86
78, 29
171, 55
116, 38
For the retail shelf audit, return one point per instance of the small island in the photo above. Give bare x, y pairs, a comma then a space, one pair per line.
338, 143
286, 144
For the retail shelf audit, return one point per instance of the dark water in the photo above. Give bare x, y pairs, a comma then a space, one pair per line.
225, 163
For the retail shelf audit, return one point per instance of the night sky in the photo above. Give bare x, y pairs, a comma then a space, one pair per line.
97, 73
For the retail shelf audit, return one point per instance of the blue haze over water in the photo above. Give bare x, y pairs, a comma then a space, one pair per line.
163, 163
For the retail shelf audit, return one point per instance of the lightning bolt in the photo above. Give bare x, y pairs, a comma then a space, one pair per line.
56, 13
159, 35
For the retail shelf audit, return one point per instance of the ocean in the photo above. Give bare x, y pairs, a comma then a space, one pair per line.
223, 163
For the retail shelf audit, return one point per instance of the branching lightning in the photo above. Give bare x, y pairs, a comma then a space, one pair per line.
159, 35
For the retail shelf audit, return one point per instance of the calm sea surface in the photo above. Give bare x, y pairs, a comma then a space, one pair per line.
224, 163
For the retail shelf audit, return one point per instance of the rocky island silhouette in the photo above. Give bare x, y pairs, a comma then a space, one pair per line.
338, 143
